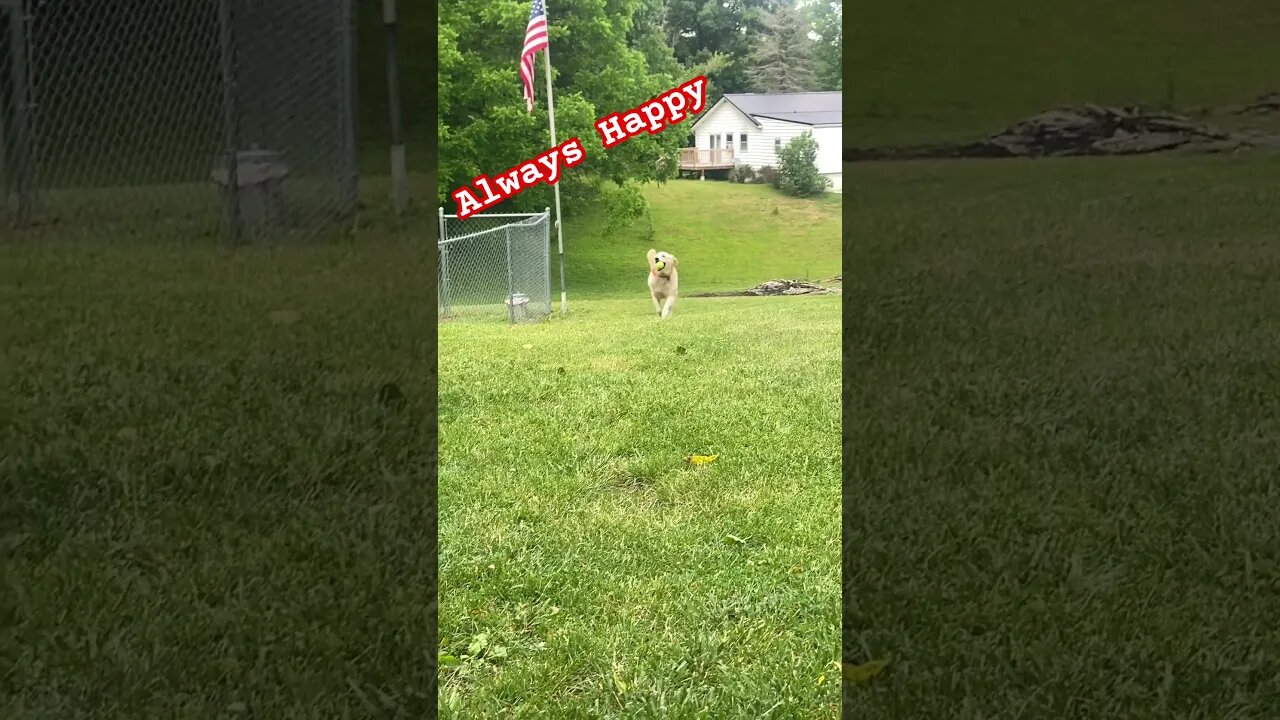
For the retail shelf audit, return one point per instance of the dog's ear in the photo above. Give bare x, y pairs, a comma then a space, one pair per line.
675, 262
653, 253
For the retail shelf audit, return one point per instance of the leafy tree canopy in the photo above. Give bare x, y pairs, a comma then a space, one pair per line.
607, 56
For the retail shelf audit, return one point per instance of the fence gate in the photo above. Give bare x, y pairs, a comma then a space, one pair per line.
495, 265
188, 116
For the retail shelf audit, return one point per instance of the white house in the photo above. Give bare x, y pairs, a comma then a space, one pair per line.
750, 129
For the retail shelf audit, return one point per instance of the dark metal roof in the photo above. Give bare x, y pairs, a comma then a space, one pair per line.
808, 108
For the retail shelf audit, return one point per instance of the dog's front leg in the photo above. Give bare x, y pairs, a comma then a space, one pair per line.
667, 307
657, 306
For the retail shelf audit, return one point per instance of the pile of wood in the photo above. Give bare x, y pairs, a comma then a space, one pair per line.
1094, 130
773, 287
1262, 105
1086, 130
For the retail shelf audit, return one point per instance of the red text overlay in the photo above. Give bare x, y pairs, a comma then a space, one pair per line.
654, 115
649, 117
493, 190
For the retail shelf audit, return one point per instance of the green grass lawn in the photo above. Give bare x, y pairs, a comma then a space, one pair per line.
209, 509
586, 570
924, 71
1062, 438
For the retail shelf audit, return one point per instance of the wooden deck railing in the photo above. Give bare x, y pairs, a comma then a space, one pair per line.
699, 159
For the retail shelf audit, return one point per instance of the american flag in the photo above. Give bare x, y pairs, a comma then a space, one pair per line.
535, 39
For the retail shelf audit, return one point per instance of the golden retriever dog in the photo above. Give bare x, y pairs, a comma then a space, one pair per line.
664, 281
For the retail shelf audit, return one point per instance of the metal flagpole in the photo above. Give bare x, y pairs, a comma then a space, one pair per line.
551, 115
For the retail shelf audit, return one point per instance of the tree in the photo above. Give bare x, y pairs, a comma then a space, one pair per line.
798, 170
782, 61
649, 36
604, 61
826, 17
718, 34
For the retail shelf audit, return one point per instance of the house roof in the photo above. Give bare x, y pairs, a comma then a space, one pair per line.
807, 108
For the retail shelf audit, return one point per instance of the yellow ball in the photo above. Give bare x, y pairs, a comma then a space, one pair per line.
659, 264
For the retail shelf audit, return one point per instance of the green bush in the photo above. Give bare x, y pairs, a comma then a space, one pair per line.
769, 174
798, 169
623, 205
742, 174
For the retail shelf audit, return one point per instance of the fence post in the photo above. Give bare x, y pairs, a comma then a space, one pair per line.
349, 164
443, 294
23, 143
399, 168
5, 185
444, 268
511, 281
546, 255
230, 117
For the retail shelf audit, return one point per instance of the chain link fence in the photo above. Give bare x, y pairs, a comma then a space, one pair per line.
495, 265
152, 111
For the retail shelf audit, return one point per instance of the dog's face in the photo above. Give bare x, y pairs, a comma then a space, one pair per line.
668, 261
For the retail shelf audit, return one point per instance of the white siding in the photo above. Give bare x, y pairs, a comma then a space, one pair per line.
771, 131
772, 135
724, 118
759, 150
830, 151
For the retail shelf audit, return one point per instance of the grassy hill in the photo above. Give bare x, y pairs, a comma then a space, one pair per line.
968, 70
727, 236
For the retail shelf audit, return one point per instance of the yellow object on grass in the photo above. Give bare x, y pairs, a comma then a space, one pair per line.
864, 673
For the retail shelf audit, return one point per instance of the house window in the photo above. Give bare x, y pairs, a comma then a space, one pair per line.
728, 141
777, 145
742, 142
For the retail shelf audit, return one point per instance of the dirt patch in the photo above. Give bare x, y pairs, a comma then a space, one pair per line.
778, 287
1091, 130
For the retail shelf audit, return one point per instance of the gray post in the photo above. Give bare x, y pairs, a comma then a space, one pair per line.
10, 9
230, 118
399, 168
442, 295
23, 141
546, 254
511, 281
5, 186
349, 170
444, 267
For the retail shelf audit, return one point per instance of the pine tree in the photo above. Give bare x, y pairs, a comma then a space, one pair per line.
782, 61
